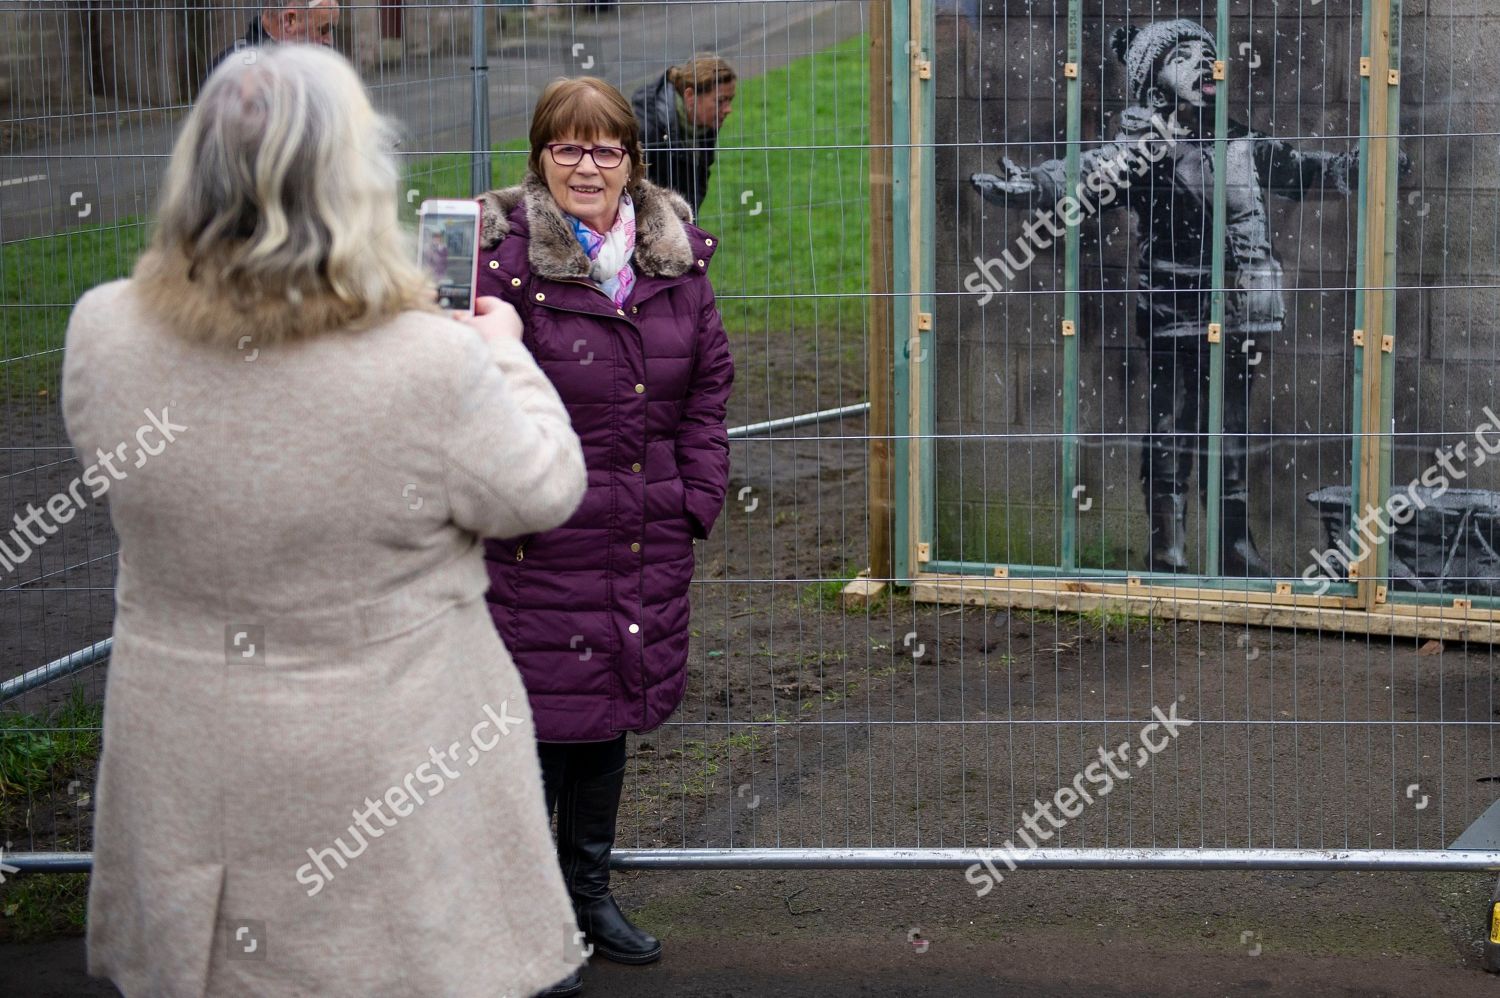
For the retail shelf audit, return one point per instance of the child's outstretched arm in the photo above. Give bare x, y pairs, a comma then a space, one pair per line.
1014, 182
1294, 173
1104, 174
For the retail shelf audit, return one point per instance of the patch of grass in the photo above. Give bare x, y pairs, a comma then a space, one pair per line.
41, 752
795, 143
43, 907
827, 595
40, 279
824, 595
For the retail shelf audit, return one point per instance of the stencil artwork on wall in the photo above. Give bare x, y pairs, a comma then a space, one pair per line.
1160, 167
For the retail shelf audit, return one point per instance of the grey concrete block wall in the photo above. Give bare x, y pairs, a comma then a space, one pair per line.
999, 89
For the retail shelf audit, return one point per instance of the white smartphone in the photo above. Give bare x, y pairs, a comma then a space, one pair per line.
448, 247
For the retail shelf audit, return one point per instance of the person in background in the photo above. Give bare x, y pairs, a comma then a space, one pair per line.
611, 280
285, 21
680, 114
304, 675
435, 257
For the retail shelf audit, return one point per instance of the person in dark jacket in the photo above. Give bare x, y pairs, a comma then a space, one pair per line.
680, 114
309, 21
611, 281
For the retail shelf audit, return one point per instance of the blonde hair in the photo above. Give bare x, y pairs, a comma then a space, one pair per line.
282, 191
705, 71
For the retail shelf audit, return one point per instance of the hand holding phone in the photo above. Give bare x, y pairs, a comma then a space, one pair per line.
494, 319
448, 248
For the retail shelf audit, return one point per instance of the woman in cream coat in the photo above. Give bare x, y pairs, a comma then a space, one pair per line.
319, 773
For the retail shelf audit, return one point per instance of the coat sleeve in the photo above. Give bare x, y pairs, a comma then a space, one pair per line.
1292, 173
513, 464
702, 439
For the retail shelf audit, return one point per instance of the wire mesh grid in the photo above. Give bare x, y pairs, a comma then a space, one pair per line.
809, 723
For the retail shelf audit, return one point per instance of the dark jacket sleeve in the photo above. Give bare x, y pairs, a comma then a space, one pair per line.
702, 439
1291, 173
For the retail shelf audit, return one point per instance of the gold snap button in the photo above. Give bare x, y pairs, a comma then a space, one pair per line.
619, 311
635, 628
633, 310
702, 264
640, 389
540, 296
636, 466
515, 282
635, 547
708, 242
494, 264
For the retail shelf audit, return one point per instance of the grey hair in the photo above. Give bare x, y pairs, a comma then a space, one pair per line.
283, 185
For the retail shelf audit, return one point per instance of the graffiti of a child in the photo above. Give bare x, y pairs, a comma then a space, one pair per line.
1169, 71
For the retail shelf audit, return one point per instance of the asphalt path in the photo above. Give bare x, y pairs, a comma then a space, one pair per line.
110, 169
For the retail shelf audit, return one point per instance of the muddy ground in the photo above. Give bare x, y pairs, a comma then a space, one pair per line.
809, 725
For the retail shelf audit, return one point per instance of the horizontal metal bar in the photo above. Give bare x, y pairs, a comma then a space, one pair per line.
65, 666
1057, 859
962, 858
49, 862
791, 422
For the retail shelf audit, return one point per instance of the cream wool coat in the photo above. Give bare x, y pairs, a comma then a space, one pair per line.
301, 634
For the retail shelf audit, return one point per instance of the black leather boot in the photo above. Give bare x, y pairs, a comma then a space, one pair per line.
1168, 533
1237, 549
586, 821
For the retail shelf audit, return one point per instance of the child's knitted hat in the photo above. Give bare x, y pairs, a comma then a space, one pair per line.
1143, 50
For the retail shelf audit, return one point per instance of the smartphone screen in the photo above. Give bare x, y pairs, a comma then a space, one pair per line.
446, 242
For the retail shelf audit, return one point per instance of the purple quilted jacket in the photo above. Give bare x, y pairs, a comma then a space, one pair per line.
595, 612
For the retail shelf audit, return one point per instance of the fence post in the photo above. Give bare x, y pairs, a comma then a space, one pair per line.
479, 154
882, 243
1379, 256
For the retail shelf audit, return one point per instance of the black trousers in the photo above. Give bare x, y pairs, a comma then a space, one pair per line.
1179, 372
574, 763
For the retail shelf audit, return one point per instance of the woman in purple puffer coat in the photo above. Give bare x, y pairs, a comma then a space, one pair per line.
610, 277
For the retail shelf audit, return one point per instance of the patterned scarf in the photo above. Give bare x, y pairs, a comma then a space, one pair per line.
611, 252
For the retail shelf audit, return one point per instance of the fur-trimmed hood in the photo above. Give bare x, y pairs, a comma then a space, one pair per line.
662, 246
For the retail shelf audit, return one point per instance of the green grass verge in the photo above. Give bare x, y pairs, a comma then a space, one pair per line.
40, 279
35, 908
798, 263
40, 752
